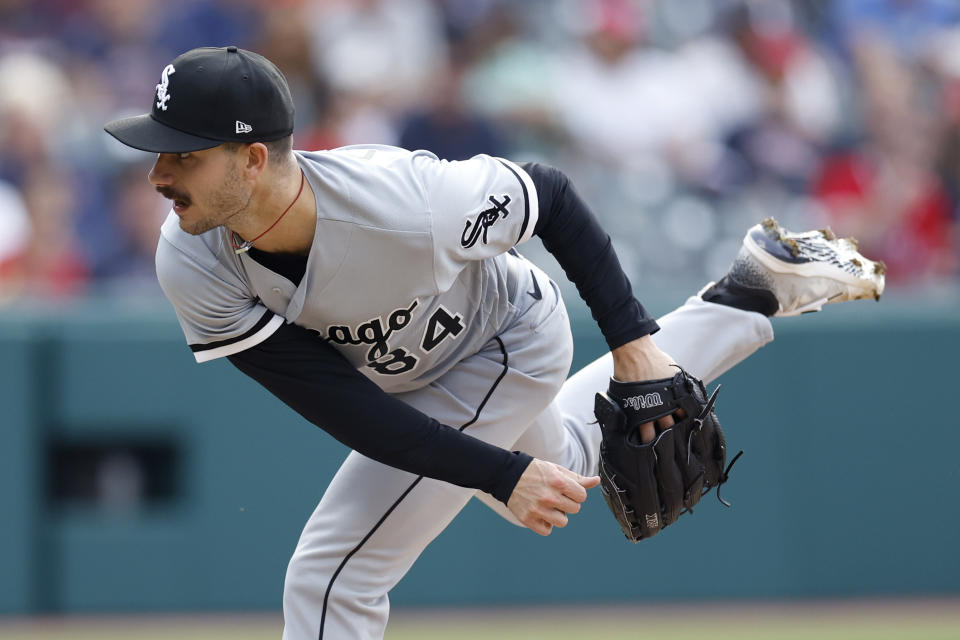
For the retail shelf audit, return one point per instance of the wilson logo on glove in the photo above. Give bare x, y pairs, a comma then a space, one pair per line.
643, 402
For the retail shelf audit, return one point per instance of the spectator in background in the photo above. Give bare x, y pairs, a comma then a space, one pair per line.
887, 189
185, 24
52, 265
31, 115
507, 74
24, 19
802, 101
378, 57
114, 40
446, 126
759, 86
286, 38
47, 261
946, 67
127, 265
905, 27
617, 97
15, 231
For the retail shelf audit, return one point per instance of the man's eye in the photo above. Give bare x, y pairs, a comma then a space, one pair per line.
184, 156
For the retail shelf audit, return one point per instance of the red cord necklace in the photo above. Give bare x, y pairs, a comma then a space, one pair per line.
243, 247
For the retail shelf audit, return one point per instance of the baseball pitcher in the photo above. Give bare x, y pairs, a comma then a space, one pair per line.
379, 292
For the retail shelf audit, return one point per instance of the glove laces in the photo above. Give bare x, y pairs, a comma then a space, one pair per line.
698, 426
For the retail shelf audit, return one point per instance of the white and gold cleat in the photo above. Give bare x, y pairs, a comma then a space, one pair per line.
805, 271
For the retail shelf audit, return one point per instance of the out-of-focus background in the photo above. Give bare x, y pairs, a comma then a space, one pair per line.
681, 122
132, 480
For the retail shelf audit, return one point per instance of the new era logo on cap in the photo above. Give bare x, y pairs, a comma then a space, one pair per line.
243, 127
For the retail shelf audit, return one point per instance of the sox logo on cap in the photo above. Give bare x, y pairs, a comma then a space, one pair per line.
162, 96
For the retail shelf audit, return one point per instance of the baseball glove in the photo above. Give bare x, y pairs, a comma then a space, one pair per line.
649, 485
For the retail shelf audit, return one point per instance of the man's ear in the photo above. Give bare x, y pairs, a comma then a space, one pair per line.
255, 160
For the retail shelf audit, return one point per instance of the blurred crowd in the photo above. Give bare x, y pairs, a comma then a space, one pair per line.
681, 122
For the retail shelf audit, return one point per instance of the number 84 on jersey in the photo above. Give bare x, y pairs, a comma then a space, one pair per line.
376, 332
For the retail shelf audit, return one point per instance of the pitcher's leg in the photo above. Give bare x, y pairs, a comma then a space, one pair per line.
374, 521
362, 538
777, 272
704, 338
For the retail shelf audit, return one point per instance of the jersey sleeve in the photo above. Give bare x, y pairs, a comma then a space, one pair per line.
478, 208
218, 314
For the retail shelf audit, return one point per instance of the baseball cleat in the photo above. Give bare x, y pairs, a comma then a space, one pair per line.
805, 271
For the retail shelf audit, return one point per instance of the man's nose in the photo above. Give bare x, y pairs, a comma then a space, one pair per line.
160, 174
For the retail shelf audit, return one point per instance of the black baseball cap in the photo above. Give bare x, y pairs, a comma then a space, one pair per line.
208, 96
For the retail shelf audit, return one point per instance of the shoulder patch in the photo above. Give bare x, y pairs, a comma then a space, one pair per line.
477, 229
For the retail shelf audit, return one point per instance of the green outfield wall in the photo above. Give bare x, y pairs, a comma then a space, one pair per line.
133, 479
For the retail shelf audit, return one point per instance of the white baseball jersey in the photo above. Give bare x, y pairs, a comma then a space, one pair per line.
406, 274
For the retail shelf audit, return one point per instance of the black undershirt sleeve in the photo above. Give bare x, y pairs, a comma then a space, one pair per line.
571, 232
316, 381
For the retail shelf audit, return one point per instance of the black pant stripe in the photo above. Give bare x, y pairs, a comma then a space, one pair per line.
476, 416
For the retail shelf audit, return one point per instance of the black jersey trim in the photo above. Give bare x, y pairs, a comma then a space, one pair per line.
261, 323
526, 200
383, 518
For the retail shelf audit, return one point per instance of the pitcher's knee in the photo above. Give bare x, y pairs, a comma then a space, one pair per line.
317, 603
319, 589
302, 581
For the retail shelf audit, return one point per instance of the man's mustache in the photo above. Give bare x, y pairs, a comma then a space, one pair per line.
173, 194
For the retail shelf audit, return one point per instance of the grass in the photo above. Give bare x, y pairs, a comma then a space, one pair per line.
843, 620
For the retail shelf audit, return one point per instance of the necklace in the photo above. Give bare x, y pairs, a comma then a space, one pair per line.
243, 247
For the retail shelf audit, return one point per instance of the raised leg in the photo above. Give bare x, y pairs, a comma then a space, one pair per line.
776, 273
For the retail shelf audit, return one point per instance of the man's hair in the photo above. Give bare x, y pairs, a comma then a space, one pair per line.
278, 151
